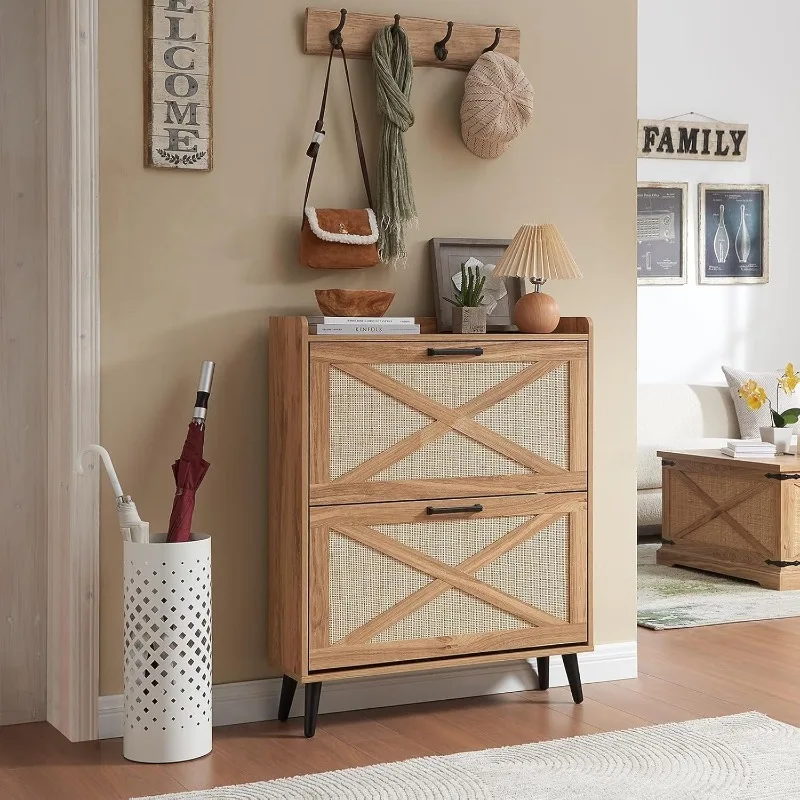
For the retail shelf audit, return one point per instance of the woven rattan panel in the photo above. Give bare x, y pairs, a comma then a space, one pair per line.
757, 514
721, 488
536, 571
794, 552
452, 385
717, 532
536, 417
761, 519
364, 583
451, 541
365, 422
451, 614
451, 456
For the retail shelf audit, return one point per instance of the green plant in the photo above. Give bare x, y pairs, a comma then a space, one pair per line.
470, 295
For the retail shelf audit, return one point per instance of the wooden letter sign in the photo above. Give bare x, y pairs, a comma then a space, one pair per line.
178, 62
701, 140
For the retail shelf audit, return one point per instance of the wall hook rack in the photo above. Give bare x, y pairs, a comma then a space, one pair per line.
323, 30
335, 36
493, 45
396, 22
439, 48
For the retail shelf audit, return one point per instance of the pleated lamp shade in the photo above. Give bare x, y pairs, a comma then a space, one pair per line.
538, 252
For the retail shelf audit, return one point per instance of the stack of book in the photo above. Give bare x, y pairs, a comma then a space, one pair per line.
748, 448
362, 326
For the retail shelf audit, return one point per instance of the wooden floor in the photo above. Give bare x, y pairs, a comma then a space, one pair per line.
700, 672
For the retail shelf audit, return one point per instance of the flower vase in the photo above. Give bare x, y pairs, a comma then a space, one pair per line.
780, 437
468, 319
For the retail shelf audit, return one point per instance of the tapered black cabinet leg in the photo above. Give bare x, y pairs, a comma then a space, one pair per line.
313, 691
288, 686
573, 676
543, 672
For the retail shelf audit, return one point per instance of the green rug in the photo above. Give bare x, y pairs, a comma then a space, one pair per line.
676, 597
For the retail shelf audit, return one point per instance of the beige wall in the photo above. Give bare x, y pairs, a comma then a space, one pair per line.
23, 362
193, 264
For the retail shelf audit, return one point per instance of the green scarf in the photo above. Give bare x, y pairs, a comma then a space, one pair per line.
394, 67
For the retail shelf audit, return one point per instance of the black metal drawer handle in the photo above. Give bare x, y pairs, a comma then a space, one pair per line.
430, 510
455, 351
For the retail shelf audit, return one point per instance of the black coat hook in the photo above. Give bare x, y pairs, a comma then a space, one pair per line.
396, 23
495, 42
335, 36
439, 48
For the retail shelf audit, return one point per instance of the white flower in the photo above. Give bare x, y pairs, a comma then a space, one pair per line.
493, 291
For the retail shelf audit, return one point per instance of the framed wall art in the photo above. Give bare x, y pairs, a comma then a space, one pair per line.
661, 232
501, 294
733, 241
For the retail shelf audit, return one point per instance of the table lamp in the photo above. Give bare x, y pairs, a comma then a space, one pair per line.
537, 252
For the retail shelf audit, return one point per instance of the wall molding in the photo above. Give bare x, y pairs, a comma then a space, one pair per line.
256, 701
73, 365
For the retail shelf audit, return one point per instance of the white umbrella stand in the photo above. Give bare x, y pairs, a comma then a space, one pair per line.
167, 636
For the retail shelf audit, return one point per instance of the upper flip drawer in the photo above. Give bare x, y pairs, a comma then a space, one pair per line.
404, 421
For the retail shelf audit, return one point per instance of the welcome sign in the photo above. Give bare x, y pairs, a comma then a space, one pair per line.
178, 76
690, 139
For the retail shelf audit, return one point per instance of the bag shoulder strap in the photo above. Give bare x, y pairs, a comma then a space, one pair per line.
319, 133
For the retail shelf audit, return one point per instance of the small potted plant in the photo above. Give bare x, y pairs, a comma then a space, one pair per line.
469, 315
780, 432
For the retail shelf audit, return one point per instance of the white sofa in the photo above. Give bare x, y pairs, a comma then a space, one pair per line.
680, 417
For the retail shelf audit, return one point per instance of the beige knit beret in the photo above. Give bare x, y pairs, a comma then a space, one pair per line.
497, 104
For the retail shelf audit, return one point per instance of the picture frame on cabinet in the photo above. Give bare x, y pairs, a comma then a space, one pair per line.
447, 256
733, 233
662, 233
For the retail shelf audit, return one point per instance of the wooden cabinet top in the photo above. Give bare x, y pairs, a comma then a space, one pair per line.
569, 329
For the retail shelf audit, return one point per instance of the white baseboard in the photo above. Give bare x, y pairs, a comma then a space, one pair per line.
255, 701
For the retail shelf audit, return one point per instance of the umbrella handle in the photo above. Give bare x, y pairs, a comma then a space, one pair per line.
107, 463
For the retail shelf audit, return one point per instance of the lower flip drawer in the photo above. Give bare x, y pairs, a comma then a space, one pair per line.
394, 582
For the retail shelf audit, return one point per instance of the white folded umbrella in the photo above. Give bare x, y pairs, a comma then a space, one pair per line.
131, 525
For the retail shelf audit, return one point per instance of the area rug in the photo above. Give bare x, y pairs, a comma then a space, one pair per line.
742, 757
677, 597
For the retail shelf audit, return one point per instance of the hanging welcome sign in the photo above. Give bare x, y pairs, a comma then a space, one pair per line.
703, 140
178, 61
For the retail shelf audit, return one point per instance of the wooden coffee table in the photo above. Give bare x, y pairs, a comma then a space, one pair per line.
734, 516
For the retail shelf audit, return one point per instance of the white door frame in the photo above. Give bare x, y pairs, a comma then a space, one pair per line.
73, 365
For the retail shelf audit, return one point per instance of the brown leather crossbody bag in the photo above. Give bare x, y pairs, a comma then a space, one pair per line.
338, 238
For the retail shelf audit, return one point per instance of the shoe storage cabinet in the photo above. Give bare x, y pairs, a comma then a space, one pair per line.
429, 503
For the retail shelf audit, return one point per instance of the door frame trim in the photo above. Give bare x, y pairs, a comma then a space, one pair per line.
73, 365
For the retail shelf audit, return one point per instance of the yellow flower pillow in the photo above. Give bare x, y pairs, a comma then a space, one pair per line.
752, 410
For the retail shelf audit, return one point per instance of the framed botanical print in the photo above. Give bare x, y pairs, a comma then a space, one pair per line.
661, 232
500, 294
733, 240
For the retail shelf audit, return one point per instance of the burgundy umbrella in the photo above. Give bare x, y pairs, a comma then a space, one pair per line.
190, 469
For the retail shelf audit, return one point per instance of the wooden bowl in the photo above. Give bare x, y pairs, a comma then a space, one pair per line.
353, 302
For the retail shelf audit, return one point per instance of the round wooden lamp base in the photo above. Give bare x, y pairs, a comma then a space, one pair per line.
536, 312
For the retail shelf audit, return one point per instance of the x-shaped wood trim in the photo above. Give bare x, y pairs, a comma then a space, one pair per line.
447, 577
721, 510
445, 419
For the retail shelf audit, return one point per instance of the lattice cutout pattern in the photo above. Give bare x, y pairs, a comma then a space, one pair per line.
363, 584
452, 385
451, 541
365, 422
536, 571
167, 641
536, 417
451, 456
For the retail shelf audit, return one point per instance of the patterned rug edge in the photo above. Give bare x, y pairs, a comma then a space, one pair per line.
222, 792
